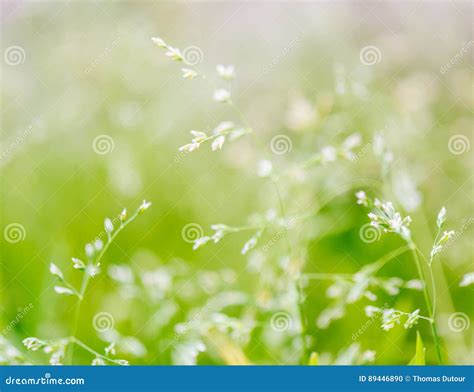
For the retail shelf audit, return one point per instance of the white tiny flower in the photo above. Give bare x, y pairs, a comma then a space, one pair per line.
218, 143
53, 268
239, 132
412, 319
189, 147
250, 244
328, 154
435, 250
123, 215
370, 311
447, 235
226, 72
174, 53
378, 145
198, 136
200, 242
221, 95
89, 250
33, 344
352, 141
158, 41
108, 225
63, 290
144, 206
388, 157
336, 290
92, 270
110, 349
300, 114
441, 217
78, 264
217, 236
121, 273
98, 362
361, 198
189, 74
98, 245
370, 296
224, 126
368, 356
389, 318
467, 279
122, 362
264, 168
414, 284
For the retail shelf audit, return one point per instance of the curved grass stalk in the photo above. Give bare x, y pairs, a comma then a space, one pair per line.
95, 264
381, 262
297, 286
428, 303
84, 346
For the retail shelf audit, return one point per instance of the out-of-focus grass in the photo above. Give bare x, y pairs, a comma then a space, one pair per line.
90, 69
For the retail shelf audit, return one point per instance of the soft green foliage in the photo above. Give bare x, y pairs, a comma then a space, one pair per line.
251, 140
419, 357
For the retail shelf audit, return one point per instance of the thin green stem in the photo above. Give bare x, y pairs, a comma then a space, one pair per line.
379, 264
298, 288
426, 295
87, 276
84, 346
420, 317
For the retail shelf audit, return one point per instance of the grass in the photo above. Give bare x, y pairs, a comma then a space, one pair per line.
255, 251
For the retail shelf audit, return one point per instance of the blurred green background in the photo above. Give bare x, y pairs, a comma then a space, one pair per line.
87, 69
